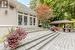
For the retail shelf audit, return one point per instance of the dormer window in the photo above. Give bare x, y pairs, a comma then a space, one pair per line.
4, 4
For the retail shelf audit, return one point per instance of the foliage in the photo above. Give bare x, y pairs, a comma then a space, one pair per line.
46, 24
60, 8
15, 37
43, 11
33, 4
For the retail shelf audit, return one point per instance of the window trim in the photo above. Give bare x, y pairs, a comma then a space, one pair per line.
4, 4
20, 19
34, 21
25, 22
30, 20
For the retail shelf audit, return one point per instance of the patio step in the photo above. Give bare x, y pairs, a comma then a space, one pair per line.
38, 42
34, 36
44, 43
33, 44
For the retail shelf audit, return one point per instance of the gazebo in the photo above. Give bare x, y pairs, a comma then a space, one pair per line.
64, 22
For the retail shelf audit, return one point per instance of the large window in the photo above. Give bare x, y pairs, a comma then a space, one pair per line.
30, 20
19, 19
25, 20
3, 4
34, 21
0, 3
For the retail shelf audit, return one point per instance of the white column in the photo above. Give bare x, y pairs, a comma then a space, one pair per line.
28, 20
32, 21
22, 19
36, 22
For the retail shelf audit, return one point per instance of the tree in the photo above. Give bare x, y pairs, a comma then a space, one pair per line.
61, 9
43, 11
33, 4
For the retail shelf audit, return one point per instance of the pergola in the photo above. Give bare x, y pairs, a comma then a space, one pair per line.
62, 22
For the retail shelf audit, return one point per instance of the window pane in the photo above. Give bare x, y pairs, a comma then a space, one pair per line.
0, 3
25, 20
30, 20
19, 19
33, 21
4, 4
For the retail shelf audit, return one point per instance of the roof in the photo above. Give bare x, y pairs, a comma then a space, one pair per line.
22, 8
25, 9
62, 22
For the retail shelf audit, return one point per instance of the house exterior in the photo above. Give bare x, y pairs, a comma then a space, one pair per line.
14, 13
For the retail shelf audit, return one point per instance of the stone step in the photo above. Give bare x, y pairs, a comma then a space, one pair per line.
31, 37
33, 44
38, 42
37, 34
47, 42
42, 43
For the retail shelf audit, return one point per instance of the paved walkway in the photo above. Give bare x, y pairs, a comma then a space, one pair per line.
65, 41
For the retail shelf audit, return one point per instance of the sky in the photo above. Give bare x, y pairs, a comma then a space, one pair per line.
26, 2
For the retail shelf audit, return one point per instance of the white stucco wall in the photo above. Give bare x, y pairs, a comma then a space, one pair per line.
8, 19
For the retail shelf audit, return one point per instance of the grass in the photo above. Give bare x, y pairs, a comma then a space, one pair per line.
1, 39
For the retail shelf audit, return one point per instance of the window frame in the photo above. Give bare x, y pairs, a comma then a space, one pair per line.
25, 20
4, 4
30, 18
20, 19
34, 21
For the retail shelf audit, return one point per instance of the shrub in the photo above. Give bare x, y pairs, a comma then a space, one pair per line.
15, 37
